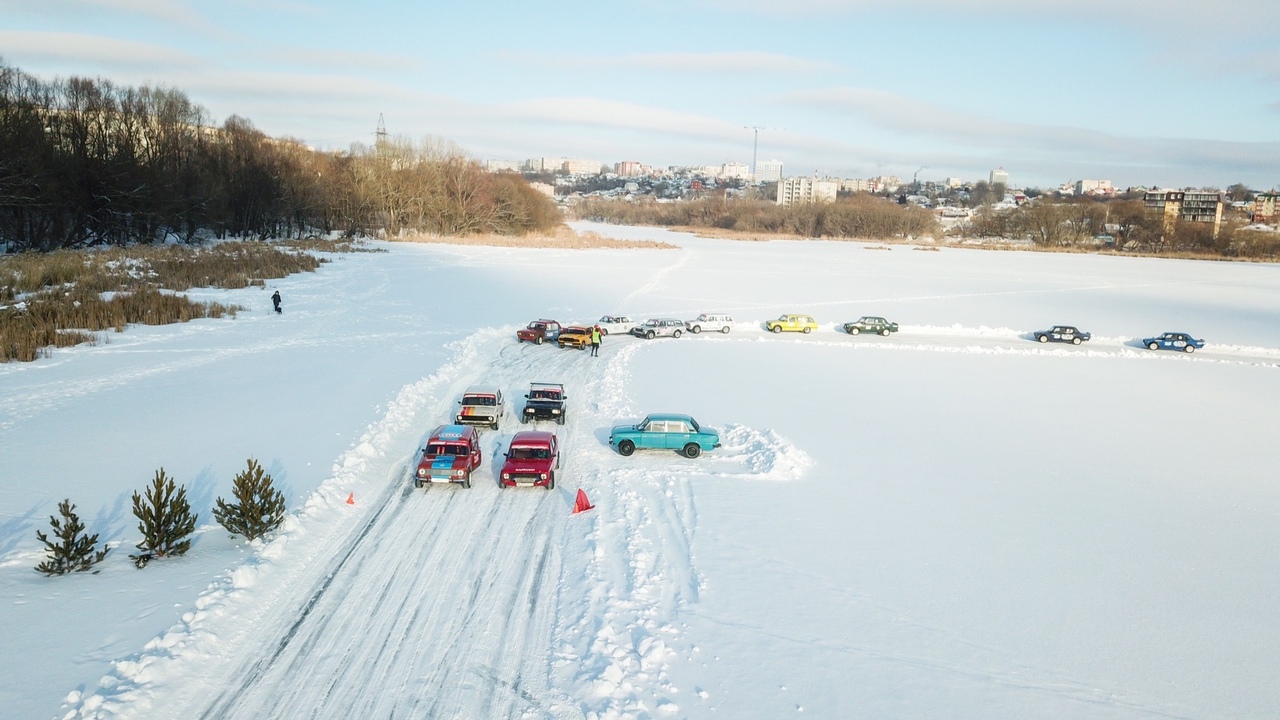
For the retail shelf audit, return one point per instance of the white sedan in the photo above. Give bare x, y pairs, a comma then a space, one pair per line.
615, 325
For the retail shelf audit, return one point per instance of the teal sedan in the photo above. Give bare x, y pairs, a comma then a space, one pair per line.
669, 432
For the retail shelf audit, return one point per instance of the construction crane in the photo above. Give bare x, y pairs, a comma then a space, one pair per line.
755, 146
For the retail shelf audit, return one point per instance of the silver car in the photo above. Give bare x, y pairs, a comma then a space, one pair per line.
480, 405
710, 321
659, 327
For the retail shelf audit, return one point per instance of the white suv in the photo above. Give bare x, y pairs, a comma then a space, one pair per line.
659, 327
710, 321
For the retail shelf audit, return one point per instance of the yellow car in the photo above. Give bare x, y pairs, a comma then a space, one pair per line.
575, 336
792, 323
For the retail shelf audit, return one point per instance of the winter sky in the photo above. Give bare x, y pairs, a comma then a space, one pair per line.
1154, 92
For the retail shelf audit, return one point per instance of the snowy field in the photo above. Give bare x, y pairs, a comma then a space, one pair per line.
951, 522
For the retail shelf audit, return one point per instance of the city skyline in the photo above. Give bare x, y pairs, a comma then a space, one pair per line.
1053, 91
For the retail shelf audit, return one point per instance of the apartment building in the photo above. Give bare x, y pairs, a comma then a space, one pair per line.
1094, 187
735, 171
799, 190
1179, 206
769, 171
1265, 208
1000, 176
627, 168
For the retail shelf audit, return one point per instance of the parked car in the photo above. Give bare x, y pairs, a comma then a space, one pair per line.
532, 459
871, 324
577, 336
710, 321
792, 323
544, 401
480, 405
615, 324
672, 432
659, 327
539, 331
1174, 341
1063, 333
451, 454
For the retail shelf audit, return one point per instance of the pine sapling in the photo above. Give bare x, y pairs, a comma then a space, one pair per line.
259, 507
74, 551
164, 519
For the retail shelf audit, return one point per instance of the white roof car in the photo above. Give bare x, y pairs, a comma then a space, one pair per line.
710, 321
615, 324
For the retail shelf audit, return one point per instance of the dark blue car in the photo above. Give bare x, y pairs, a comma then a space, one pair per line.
1174, 341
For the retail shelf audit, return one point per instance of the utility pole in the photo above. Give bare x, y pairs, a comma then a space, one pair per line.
755, 146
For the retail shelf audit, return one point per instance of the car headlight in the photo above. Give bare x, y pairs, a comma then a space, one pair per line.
555, 411
528, 409
422, 472
459, 473
506, 476
543, 476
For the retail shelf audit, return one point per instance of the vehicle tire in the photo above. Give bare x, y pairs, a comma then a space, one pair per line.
524, 419
604, 331
537, 340
1042, 338
725, 329
675, 334
1153, 346
493, 426
885, 332
1076, 341
626, 447
853, 330
776, 329
649, 335
560, 419
806, 330
695, 329
692, 450
551, 481
417, 483
1190, 348
466, 482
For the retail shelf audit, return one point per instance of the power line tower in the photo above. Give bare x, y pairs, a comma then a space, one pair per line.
755, 147
380, 141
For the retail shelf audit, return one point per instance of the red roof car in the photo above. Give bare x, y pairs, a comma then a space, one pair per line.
539, 331
532, 459
450, 456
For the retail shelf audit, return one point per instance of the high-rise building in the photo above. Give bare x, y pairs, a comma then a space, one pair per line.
627, 168
769, 171
799, 190
735, 170
501, 166
1175, 206
1265, 208
1000, 176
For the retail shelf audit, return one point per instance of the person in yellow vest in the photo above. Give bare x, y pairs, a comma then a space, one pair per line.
595, 341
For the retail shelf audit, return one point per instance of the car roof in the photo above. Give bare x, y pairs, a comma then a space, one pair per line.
534, 438
452, 433
557, 386
577, 328
667, 416
481, 390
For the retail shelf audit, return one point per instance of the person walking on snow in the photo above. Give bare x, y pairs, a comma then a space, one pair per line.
275, 300
595, 341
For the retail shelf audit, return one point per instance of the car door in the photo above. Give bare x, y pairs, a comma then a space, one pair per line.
654, 435
677, 434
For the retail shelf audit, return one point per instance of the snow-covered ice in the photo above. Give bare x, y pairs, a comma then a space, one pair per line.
953, 521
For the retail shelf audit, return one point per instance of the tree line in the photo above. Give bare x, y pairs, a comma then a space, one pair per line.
87, 162
1126, 224
858, 216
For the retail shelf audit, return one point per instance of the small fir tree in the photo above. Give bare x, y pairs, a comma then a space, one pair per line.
259, 508
74, 551
164, 519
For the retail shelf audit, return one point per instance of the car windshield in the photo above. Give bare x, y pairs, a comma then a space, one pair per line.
441, 449
535, 325
782, 317
652, 322
694, 424
479, 400
544, 395
524, 453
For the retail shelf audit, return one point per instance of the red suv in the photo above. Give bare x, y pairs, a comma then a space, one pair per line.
451, 455
532, 459
539, 331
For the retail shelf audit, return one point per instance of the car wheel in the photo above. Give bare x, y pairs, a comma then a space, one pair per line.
725, 329
853, 330
604, 331
1190, 348
537, 340
626, 447
649, 335
695, 329
675, 334
805, 330
776, 328
417, 483
493, 426
692, 450
1042, 338
1153, 346
551, 481
1076, 341
885, 332
466, 482
560, 419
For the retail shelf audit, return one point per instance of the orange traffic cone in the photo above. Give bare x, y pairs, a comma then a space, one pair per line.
582, 504
351, 499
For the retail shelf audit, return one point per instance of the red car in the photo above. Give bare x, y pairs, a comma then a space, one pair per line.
539, 331
451, 455
532, 459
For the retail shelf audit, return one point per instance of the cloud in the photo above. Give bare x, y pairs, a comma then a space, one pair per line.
752, 63
313, 57
81, 48
171, 12
1192, 12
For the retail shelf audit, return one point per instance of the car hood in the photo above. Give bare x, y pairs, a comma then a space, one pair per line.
478, 410
443, 462
527, 466
622, 429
